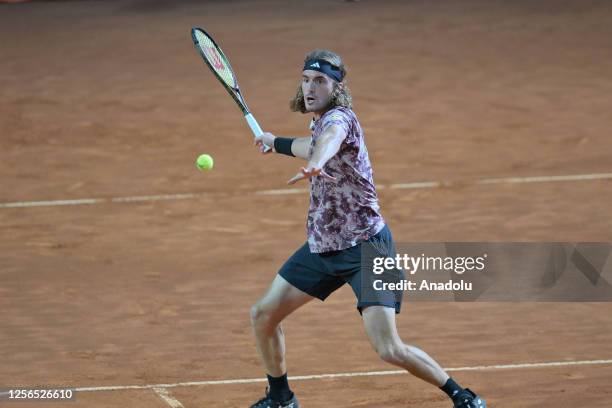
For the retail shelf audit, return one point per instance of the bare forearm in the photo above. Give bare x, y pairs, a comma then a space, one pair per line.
325, 148
300, 147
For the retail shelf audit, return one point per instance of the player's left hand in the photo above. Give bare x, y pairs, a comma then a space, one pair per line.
310, 171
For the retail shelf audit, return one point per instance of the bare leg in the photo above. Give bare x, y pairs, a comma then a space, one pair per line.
380, 326
281, 300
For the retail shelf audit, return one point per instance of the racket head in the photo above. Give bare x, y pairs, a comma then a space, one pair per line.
215, 59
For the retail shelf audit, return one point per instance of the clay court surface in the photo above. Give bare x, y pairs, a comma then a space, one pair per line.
109, 100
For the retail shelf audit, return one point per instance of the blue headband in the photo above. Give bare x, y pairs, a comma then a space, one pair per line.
324, 67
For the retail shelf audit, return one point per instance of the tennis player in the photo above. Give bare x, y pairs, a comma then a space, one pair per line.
344, 215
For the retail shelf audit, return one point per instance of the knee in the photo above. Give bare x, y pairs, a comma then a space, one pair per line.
261, 318
391, 353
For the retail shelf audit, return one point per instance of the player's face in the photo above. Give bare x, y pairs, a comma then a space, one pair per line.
317, 88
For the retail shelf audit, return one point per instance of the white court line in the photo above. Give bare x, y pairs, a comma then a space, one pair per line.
161, 197
282, 191
545, 179
290, 191
49, 203
421, 184
170, 400
89, 201
338, 375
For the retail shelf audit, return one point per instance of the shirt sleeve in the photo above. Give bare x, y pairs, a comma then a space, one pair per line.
338, 118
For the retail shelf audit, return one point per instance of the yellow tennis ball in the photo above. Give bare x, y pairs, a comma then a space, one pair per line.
204, 162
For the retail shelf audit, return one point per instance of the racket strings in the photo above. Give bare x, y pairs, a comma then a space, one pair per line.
216, 59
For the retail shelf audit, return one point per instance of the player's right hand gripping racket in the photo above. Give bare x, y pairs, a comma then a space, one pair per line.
218, 63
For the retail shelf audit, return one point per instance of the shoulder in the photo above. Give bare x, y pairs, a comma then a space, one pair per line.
339, 116
339, 113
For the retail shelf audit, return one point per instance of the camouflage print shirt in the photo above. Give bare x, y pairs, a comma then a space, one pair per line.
343, 212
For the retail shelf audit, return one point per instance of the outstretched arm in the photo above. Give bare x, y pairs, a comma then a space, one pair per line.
325, 148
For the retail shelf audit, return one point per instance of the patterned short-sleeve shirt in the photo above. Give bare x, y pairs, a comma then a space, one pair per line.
343, 212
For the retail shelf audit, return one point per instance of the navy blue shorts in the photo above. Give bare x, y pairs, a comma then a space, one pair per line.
321, 274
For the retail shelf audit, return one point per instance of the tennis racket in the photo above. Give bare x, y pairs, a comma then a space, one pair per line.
218, 63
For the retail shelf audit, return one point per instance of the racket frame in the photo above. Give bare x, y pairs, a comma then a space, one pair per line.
234, 91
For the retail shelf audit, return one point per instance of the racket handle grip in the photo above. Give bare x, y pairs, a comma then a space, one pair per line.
255, 128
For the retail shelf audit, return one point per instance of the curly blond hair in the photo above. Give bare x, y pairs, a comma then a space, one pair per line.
341, 95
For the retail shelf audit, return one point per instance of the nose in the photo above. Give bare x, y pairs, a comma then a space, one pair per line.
311, 87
